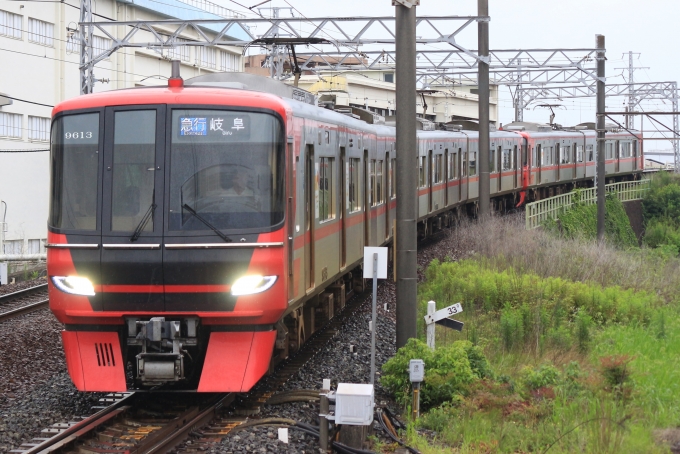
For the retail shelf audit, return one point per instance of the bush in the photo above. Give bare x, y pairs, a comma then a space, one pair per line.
448, 371
533, 379
662, 201
581, 221
662, 233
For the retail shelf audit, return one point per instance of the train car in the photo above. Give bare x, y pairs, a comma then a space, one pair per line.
201, 231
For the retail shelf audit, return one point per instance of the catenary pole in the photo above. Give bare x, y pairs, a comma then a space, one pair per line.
599, 173
484, 141
406, 247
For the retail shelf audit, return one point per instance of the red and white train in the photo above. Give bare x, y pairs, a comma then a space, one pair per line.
200, 231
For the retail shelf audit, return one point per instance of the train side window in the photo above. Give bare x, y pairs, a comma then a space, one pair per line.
492, 160
464, 164
326, 193
507, 159
438, 169
535, 152
379, 183
393, 178
564, 154
608, 150
453, 159
625, 150
589, 152
353, 181
579, 153
422, 181
473, 163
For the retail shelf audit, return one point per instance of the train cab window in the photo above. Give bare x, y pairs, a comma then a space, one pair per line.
354, 189
227, 167
422, 170
473, 164
379, 183
326, 193
134, 164
75, 164
579, 153
589, 152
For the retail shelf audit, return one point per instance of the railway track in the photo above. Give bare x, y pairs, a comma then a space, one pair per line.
156, 422
23, 301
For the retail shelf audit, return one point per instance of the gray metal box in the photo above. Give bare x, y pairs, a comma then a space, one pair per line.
354, 404
416, 369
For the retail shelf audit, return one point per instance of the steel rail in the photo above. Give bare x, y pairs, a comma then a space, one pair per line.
79, 429
4, 316
20, 293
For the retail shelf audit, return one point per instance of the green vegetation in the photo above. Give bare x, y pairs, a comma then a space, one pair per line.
581, 221
568, 346
661, 211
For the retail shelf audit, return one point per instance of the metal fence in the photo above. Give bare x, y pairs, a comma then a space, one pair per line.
553, 207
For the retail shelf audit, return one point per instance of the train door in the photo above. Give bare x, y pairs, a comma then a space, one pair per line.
499, 168
387, 192
463, 166
635, 154
617, 156
430, 176
539, 162
311, 189
132, 226
344, 182
290, 222
368, 187
447, 176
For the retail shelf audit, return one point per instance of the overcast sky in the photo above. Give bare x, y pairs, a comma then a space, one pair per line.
649, 27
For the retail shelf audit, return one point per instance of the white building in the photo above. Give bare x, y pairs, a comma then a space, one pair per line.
39, 51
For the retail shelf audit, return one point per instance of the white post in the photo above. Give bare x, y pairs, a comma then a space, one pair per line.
431, 309
373, 315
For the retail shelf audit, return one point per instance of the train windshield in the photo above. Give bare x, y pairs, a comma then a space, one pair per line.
75, 166
226, 170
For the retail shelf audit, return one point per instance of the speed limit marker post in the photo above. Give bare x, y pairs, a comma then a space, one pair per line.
441, 317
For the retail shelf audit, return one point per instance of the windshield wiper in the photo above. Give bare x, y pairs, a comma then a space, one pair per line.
208, 224
143, 222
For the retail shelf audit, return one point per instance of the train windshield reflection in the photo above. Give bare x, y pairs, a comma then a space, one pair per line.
228, 167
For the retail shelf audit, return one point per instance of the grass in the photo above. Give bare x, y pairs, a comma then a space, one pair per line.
583, 340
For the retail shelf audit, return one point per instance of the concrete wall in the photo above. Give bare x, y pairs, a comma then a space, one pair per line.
48, 74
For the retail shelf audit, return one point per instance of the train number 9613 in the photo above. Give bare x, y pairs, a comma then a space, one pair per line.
78, 135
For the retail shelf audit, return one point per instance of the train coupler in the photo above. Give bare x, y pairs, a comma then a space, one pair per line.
161, 359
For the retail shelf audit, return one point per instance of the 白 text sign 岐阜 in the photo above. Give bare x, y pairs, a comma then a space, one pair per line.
444, 313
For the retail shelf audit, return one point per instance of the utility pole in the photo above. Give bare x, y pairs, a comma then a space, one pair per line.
86, 67
599, 170
632, 101
275, 55
484, 140
519, 98
676, 128
407, 149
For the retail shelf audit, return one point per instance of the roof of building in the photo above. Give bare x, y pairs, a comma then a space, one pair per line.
192, 10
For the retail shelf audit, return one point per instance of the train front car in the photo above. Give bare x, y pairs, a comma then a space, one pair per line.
166, 237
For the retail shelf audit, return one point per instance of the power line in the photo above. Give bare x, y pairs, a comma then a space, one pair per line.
29, 102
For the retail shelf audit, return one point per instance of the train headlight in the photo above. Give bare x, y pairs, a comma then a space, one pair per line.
75, 285
249, 285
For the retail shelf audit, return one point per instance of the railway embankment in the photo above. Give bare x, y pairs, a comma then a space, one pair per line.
568, 345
